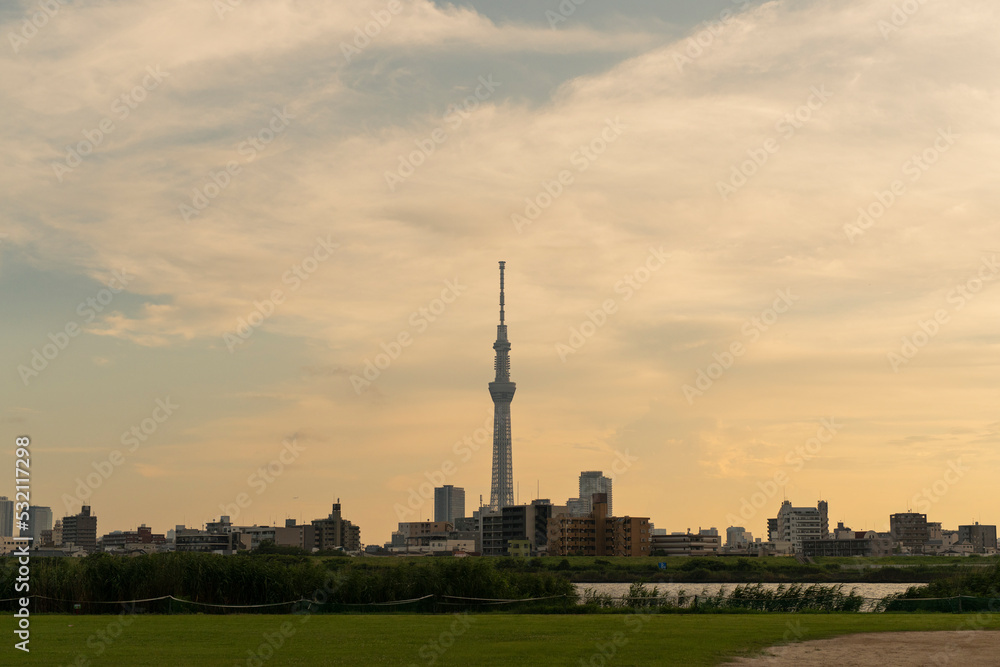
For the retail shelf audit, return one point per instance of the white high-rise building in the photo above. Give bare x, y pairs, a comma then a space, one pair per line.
39, 519
594, 481
796, 524
737, 537
449, 503
6, 517
578, 507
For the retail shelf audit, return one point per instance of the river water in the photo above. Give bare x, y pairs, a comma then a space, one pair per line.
872, 592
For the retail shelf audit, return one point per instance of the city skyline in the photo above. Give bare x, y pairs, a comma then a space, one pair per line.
450, 500
752, 244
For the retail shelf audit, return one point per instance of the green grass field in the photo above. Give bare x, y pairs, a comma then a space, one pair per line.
490, 639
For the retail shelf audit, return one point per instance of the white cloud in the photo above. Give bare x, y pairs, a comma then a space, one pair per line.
685, 131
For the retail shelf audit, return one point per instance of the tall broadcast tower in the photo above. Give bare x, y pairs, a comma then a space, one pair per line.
502, 391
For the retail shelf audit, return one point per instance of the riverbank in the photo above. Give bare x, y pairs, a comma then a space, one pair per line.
872, 594
736, 570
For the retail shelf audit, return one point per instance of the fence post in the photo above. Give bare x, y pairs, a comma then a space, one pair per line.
959, 604
696, 603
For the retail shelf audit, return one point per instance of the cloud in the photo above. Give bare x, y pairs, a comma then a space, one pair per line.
845, 111
146, 470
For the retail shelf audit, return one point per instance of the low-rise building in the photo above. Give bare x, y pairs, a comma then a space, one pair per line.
52, 537
258, 534
532, 523
910, 531
491, 533
8, 545
772, 529
958, 549
519, 548
861, 543
451, 546
702, 543
983, 538
416, 533
599, 534
335, 532
293, 535
80, 530
210, 541
842, 532
773, 548
127, 539
467, 524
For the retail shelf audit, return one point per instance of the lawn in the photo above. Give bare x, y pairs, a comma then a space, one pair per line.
483, 639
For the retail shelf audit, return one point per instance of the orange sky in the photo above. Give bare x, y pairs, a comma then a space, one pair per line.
722, 231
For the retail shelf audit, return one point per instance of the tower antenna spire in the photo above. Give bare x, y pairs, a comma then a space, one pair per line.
502, 264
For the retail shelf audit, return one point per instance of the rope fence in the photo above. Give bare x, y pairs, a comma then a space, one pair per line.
168, 604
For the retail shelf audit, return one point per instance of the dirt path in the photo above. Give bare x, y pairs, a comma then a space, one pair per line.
959, 648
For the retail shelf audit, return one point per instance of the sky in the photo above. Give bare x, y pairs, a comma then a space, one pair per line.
248, 256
